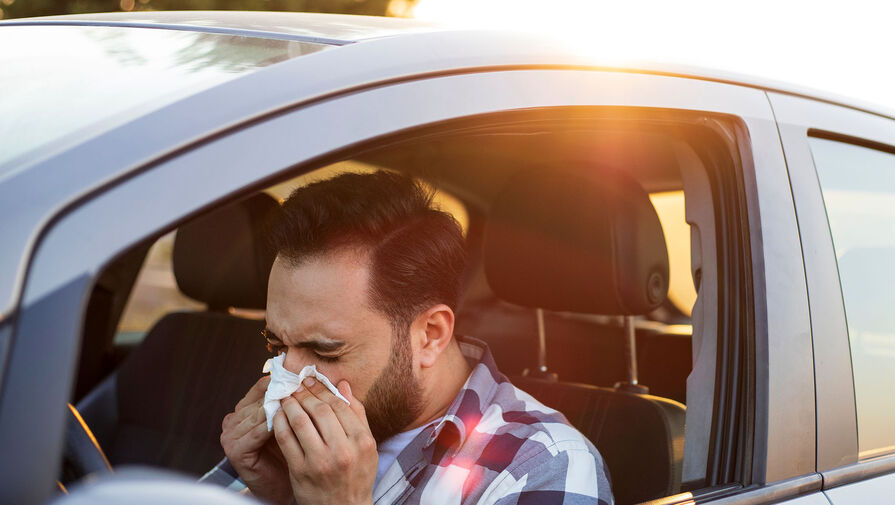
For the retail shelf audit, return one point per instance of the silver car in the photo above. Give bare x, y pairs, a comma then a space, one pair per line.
765, 376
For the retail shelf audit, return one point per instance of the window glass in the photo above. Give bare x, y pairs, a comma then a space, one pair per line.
858, 186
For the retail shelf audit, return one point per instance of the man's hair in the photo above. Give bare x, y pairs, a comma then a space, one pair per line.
416, 252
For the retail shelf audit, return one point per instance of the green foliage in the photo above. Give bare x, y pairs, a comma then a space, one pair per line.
29, 8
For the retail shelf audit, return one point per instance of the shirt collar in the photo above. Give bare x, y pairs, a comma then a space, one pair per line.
476, 394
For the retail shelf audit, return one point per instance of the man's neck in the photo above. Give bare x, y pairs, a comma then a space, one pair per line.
442, 383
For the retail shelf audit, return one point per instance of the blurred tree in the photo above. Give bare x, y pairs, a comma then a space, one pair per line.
28, 8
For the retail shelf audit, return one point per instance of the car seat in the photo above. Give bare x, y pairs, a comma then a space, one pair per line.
591, 244
164, 405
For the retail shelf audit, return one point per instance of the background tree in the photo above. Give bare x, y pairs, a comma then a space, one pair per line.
29, 8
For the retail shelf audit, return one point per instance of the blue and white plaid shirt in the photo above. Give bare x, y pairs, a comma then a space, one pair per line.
495, 445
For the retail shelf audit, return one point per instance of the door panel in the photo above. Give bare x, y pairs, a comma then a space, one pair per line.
876, 490
837, 426
812, 499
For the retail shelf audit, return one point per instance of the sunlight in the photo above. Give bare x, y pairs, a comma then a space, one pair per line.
819, 44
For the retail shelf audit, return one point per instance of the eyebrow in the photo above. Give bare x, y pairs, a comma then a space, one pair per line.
324, 346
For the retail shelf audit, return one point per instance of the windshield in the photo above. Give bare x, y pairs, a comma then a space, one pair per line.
60, 79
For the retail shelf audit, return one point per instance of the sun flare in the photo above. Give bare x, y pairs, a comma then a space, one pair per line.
816, 44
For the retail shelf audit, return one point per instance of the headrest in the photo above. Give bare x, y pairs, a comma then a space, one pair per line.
223, 258
569, 243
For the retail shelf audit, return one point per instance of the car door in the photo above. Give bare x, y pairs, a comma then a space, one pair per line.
162, 193
842, 167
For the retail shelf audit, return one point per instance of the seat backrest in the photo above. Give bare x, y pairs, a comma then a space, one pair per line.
175, 389
665, 359
591, 244
165, 404
641, 437
664, 353
512, 335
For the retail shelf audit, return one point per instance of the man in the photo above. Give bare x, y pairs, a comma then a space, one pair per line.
364, 286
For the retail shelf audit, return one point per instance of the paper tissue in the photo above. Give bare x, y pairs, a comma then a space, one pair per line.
283, 383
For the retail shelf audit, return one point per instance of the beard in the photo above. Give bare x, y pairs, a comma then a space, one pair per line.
395, 398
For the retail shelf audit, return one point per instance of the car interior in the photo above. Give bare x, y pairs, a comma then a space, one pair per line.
570, 260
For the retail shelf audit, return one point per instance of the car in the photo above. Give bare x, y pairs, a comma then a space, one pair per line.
762, 377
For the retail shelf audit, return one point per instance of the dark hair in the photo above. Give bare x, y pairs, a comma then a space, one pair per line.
417, 254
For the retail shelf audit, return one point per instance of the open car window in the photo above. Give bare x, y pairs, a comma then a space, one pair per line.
577, 362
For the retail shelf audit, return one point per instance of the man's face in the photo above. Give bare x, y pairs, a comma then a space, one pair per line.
319, 312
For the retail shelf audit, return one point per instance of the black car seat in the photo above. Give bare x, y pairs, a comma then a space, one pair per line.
164, 405
665, 359
594, 245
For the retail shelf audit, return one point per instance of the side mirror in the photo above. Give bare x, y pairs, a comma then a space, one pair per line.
145, 486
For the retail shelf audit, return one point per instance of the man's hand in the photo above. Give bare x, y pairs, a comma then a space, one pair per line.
251, 449
328, 446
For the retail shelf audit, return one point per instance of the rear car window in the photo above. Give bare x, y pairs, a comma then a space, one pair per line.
858, 187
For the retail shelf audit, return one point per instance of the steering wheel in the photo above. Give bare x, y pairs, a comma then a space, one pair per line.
83, 455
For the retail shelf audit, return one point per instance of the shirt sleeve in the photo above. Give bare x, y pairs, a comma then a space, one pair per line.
223, 474
567, 473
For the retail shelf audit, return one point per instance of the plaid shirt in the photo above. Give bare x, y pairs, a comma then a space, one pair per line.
495, 445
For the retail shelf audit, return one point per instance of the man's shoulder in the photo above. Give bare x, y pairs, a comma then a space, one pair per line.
522, 447
505, 424
505, 446
540, 432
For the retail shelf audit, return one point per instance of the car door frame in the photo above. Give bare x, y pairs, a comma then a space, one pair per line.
800, 118
81, 239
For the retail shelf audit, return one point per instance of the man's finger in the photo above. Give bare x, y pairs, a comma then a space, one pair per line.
356, 404
252, 439
351, 423
328, 424
256, 392
302, 426
249, 423
246, 411
286, 440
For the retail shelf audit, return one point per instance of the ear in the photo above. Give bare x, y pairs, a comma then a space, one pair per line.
432, 331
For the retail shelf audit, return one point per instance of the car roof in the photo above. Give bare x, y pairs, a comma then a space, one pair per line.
344, 29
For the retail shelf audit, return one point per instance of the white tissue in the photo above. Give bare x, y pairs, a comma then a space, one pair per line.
283, 383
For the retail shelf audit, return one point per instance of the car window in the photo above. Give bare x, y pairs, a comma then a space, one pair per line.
50, 87
858, 186
583, 349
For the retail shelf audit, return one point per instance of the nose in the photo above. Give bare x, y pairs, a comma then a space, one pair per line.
293, 362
